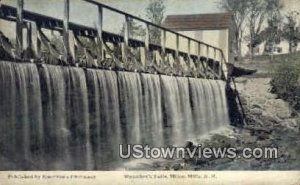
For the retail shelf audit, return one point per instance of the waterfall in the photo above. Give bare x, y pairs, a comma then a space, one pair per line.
67, 118
104, 117
130, 93
209, 104
152, 128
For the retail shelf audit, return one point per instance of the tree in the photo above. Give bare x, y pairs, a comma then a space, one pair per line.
239, 11
259, 12
273, 33
291, 33
155, 14
135, 30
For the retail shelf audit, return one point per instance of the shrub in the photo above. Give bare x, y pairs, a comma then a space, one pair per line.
286, 82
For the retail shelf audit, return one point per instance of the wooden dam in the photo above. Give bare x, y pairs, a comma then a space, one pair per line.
70, 108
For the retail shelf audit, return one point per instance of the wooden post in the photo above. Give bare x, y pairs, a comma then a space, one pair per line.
222, 60
36, 42
66, 30
72, 45
207, 53
215, 61
177, 46
199, 58
100, 54
163, 41
189, 52
19, 28
189, 48
143, 56
28, 42
199, 51
147, 39
163, 46
126, 39
146, 50
207, 58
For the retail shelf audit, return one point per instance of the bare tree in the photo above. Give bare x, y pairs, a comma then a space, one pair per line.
259, 12
239, 11
291, 33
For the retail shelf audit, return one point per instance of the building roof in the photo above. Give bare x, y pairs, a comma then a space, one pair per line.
214, 21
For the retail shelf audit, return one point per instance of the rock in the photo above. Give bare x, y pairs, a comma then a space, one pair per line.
249, 139
243, 100
256, 106
292, 123
257, 131
265, 143
260, 100
270, 118
256, 164
282, 160
176, 167
189, 144
241, 80
201, 161
256, 111
263, 136
270, 96
219, 161
284, 114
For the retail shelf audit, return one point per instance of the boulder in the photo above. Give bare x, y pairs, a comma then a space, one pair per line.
270, 118
256, 111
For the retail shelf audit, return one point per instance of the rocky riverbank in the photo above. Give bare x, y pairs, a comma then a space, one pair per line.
270, 123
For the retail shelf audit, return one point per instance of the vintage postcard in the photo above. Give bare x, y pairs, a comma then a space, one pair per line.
149, 91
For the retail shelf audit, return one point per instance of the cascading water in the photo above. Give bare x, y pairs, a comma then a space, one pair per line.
209, 104
22, 129
152, 129
66, 118
104, 117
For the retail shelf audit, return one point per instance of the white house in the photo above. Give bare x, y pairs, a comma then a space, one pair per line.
281, 48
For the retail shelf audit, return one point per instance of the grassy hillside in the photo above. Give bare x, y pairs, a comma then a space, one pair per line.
266, 67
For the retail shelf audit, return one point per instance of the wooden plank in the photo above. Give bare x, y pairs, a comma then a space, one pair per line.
189, 48
19, 28
72, 46
143, 56
177, 46
27, 42
147, 38
146, 50
221, 64
100, 53
207, 53
66, 31
126, 39
207, 58
215, 61
163, 41
163, 46
199, 59
36, 43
